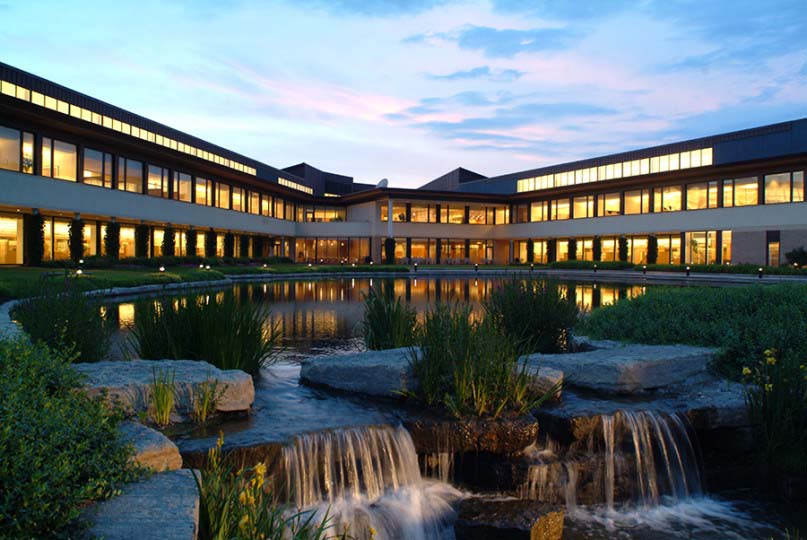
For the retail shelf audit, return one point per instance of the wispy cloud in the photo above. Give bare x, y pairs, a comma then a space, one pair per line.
496, 42
373, 8
481, 72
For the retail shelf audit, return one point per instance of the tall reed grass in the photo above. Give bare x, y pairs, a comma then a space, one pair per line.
388, 322
536, 315
58, 313
217, 328
163, 394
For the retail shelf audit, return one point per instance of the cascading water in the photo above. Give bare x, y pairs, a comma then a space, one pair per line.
368, 478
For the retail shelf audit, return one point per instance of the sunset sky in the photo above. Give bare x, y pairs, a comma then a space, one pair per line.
410, 90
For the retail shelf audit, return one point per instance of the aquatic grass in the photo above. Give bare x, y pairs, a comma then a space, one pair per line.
206, 396
537, 315
236, 504
388, 322
469, 368
742, 321
161, 399
58, 313
215, 327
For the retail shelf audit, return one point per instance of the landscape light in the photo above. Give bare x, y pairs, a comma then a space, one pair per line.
309, 265
79, 272
532, 266
595, 268
644, 269
201, 267
162, 269
476, 267
759, 272
688, 270
207, 267
81, 261
416, 267
264, 265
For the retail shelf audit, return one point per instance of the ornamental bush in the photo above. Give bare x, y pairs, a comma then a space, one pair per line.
59, 449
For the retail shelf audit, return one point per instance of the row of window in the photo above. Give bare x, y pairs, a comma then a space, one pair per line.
60, 160
696, 247
701, 157
473, 214
777, 188
87, 115
294, 185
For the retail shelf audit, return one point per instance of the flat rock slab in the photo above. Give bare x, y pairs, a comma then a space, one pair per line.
129, 383
153, 450
631, 368
491, 519
372, 373
163, 507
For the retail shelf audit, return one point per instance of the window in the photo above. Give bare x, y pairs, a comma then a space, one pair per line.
637, 201
539, 211
667, 199
522, 215
669, 249
266, 205
280, 209
10, 240
701, 196
701, 247
130, 175
503, 215
59, 159
560, 209
784, 187
740, 192
420, 214
254, 202
97, 168
456, 215
9, 149
583, 207
182, 186
204, 191
222, 195
239, 201
608, 204
476, 215
157, 181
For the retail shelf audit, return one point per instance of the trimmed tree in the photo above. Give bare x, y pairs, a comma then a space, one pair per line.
190, 243
389, 250
652, 249
169, 241
112, 240
210, 243
229, 244
573, 249
142, 241
551, 250
34, 237
596, 248
243, 247
257, 247
623, 248
75, 239
530, 251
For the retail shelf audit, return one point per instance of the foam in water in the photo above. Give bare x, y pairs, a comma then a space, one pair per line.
368, 478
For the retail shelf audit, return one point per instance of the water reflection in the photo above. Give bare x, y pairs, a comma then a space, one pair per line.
318, 316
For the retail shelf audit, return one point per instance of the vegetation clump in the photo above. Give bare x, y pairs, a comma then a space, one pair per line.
470, 368
742, 321
217, 328
162, 397
536, 315
59, 449
61, 315
388, 323
236, 505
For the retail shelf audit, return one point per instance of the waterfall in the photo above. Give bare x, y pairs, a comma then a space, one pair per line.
642, 458
438, 465
367, 478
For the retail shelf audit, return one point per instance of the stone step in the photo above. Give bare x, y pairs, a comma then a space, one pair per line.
129, 383
153, 450
162, 507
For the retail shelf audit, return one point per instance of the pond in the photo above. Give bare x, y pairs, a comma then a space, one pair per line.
323, 317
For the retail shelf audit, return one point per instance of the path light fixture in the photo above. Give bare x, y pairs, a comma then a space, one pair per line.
595, 268
416, 267
532, 267
371, 263
476, 267
162, 269
79, 272
81, 261
353, 265
342, 262
201, 267
207, 267
760, 270
644, 269
309, 265
264, 265
688, 269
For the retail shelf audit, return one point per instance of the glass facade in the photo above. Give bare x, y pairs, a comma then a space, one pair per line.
130, 175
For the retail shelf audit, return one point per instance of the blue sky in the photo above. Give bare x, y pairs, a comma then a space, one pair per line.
410, 90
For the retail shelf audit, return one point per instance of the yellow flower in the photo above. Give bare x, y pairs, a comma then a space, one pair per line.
242, 498
768, 387
802, 367
771, 361
769, 352
746, 371
372, 533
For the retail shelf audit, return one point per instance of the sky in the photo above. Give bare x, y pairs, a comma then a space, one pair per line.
409, 90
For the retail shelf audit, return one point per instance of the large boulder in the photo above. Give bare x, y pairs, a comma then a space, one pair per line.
498, 519
373, 373
129, 384
153, 450
165, 506
631, 367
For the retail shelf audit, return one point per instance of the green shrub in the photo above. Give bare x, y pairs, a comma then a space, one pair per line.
215, 327
59, 449
169, 241
726, 269
59, 314
236, 505
112, 240
388, 323
533, 314
776, 392
797, 256
742, 321
469, 368
75, 239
